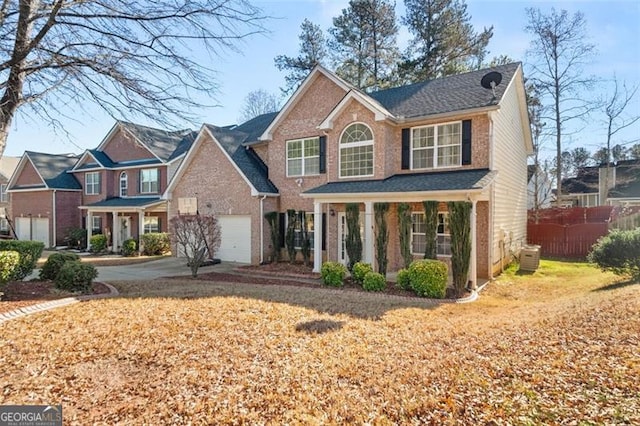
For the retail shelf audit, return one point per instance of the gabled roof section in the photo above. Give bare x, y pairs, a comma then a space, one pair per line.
445, 95
315, 72
160, 143
52, 169
380, 112
246, 160
8, 166
627, 180
255, 127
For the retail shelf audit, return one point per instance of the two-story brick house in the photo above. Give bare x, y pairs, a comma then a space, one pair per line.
113, 189
44, 197
7, 167
447, 139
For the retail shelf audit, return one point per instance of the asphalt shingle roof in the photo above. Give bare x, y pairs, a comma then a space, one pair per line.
256, 126
414, 182
126, 202
627, 180
162, 143
245, 158
53, 169
447, 94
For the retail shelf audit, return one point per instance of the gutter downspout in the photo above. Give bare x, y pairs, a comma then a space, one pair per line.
262, 229
53, 216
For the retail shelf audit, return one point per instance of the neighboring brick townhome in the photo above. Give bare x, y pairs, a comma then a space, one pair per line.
448, 139
7, 167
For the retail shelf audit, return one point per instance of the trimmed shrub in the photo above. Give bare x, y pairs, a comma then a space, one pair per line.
403, 279
618, 252
9, 261
76, 238
374, 281
98, 243
360, 270
53, 264
129, 247
333, 274
29, 251
75, 276
429, 278
155, 243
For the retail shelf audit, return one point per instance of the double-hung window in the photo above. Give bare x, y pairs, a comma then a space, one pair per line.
96, 225
418, 234
151, 224
149, 181
124, 184
92, 183
356, 151
4, 196
436, 146
303, 157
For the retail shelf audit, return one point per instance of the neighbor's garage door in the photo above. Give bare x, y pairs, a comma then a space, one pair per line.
36, 229
236, 239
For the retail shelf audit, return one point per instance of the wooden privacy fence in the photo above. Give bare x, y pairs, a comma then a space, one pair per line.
572, 241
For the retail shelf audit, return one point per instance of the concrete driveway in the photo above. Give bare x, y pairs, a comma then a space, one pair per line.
166, 267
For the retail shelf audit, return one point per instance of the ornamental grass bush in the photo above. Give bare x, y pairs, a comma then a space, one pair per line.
76, 276
30, 252
374, 281
9, 261
155, 243
333, 274
54, 263
429, 278
360, 270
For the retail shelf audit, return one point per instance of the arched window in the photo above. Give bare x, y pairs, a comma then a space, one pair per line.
123, 184
356, 151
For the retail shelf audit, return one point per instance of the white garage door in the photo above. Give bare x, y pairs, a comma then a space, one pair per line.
36, 229
236, 239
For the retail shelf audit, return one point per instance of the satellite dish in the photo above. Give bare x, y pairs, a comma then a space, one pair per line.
490, 81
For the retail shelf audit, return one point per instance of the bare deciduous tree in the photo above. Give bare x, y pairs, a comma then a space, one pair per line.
559, 51
197, 237
256, 103
129, 58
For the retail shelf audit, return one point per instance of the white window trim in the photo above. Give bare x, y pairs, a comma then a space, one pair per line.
435, 147
303, 158
4, 195
437, 235
157, 181
126, 181
93, 184
355, 145
144, 225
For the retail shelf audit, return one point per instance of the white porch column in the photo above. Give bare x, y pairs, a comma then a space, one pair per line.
317, 236
473, 266
116, 231
89, 225
368, 233
140, 229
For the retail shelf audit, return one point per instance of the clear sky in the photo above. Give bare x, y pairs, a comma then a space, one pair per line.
613, 26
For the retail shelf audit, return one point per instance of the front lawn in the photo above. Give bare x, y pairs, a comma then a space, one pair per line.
557, 346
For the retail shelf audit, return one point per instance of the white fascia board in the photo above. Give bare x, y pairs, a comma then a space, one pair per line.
447, 115
480, 194
379, 112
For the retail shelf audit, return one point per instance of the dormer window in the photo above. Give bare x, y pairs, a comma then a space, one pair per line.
356, 151
124, 184
433, 147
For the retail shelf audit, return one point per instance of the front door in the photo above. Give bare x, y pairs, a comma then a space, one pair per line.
343, 257
125, 229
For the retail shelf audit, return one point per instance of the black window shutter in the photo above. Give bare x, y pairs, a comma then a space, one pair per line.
324, 231
406, 149
323, 154
466, 142
281, 226
159, 224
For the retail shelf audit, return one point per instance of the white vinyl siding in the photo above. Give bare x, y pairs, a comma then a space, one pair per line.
509, 203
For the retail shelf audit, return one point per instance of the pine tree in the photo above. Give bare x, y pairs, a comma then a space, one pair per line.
444, 41
364, 43
313, 51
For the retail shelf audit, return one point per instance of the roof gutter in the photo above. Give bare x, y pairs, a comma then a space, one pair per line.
392, 196
480, 110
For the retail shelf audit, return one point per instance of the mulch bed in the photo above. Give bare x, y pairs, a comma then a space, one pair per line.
19, 294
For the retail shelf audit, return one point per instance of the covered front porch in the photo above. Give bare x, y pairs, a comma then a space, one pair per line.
120, 219
473, 186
